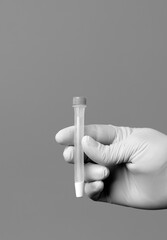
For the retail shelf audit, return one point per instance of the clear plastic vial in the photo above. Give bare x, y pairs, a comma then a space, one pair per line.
79, 104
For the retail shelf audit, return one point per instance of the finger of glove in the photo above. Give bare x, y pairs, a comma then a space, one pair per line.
68, 155
102, 133
95, 172
94, 189
105, 155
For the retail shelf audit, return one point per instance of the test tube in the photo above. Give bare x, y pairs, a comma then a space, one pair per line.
79, 104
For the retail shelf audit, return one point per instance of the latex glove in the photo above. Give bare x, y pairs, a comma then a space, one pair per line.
136, 159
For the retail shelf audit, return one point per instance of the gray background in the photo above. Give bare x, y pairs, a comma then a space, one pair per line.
115, 53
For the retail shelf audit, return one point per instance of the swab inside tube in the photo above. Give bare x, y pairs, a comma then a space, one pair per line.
79, 104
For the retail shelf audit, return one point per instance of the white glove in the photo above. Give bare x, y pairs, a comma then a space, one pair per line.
125, 166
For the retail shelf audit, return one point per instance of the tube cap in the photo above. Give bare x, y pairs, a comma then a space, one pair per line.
79, 101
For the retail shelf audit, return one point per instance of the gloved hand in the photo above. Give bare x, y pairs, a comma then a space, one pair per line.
125, 166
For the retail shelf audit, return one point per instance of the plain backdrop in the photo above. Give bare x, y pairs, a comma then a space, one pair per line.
112, 52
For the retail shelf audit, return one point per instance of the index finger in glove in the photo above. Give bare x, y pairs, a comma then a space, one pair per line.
104, 134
